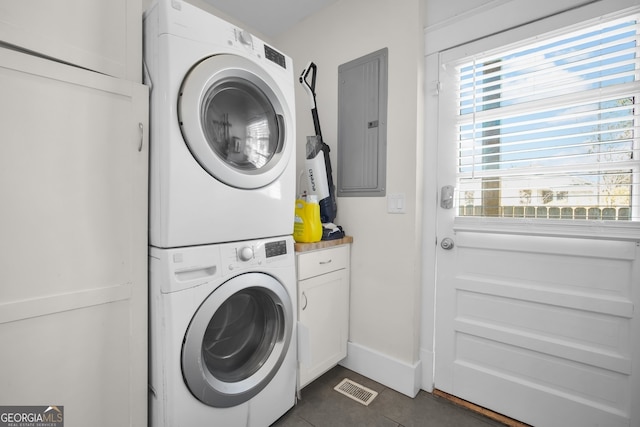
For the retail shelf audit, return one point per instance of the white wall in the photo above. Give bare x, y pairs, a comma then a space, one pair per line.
385, 260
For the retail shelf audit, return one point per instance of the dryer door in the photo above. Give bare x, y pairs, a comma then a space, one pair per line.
236, 121
237, 340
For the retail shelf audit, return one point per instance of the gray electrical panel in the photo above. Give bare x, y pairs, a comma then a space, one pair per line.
362, 126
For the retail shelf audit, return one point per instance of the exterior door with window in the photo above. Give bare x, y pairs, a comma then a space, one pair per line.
538, 259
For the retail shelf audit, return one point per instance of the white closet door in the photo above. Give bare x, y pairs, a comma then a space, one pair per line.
104, 36
73, 185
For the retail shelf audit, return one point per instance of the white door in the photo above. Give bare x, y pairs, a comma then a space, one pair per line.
73, 226
536, 318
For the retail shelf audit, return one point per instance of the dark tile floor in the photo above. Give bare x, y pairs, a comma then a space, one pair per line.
321, 406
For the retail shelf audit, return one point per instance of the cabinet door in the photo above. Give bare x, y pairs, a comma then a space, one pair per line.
73, 185
104, 36
323, 308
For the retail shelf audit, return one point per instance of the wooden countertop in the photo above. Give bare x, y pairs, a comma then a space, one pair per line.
302, 247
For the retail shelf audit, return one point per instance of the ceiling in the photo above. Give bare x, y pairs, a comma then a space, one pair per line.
272, 17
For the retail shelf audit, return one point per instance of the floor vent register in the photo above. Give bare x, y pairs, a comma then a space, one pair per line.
356, 391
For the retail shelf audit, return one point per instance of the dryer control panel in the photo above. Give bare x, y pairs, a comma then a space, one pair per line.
274, 56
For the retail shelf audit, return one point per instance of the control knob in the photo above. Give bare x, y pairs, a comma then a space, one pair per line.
245, 38
245, 254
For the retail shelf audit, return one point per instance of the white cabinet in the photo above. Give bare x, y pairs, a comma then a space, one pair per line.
323, 310
99, 35
73, 185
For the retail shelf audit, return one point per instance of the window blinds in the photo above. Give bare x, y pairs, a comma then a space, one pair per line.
551, 129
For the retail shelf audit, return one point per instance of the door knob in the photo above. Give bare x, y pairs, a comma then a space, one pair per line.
447, 243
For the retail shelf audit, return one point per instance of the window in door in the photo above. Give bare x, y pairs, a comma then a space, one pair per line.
550, 128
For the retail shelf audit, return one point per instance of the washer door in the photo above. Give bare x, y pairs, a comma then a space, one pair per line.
237, 340
235, 121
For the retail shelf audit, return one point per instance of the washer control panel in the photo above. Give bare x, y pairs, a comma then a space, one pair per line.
276, 248
244, 255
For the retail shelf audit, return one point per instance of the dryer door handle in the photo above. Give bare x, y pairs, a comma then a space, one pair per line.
281, 132
282, 320
305, 301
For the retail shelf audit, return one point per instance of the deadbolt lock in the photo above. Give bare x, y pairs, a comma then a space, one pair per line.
446, 196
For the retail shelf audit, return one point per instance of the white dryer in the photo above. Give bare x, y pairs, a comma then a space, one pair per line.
223, 341
222, 162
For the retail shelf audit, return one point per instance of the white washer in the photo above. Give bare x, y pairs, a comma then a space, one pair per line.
223, 336
222, 162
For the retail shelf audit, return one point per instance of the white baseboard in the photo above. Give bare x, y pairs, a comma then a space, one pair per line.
390, 372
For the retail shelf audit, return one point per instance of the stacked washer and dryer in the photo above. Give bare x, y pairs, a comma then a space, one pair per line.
222, 188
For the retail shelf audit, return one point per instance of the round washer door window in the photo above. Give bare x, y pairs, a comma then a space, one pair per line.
235, 121
237, 340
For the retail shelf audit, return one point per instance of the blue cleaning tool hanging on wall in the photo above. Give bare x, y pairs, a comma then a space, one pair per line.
317, 163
